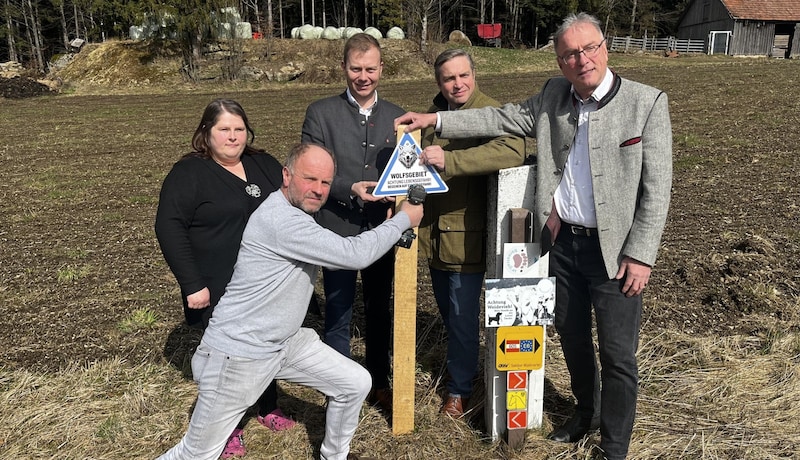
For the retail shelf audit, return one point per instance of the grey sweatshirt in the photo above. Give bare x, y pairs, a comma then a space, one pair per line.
282, 246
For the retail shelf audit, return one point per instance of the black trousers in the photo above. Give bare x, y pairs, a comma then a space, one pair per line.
582, 282
340, 292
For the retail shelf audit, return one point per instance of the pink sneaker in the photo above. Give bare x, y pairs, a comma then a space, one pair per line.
235, 446
276, 421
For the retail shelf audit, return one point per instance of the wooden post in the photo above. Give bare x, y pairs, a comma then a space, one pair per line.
510, 189
405, 328
520, 231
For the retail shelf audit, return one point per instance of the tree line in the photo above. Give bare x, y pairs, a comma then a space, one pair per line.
33, 32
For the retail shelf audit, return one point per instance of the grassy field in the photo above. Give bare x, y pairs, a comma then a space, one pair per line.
94, 358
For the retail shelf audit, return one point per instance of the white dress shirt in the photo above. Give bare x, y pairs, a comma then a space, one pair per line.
361, 110
574, 197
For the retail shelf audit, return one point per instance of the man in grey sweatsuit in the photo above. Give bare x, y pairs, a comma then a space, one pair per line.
603, 180
255, 333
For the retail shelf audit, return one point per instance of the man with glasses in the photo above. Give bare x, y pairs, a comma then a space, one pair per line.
604, 176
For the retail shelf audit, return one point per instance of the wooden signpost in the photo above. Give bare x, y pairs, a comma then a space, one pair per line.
402, 171
405, 336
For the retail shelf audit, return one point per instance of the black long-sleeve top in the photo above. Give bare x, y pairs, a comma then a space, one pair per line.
202, 212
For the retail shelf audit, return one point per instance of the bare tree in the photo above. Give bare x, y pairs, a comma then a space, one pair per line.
419, 11
270, 24
280, 17
608, 6
253, 5
12, 44
63, 18
513, 8
33, 29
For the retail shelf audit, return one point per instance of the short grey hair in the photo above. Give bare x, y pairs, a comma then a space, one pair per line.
298, 150
571, 20
447, 55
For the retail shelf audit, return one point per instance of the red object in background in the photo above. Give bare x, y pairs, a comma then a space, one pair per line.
257, 36
490, 31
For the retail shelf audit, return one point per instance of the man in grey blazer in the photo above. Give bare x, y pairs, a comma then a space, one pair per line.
604, 177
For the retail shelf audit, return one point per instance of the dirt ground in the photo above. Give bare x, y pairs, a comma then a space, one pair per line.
19, 87
78, 252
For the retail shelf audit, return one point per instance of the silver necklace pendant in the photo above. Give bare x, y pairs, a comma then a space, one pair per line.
253, 190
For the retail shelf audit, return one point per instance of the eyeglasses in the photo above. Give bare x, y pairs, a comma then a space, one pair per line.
589, 51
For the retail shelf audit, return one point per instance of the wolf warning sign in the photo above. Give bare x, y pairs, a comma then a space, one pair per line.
404, 169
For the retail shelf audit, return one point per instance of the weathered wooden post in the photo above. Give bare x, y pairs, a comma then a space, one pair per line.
405, 336
511, 198
402, 171
405, 327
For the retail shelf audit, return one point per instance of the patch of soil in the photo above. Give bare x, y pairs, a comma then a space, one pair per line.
19, 87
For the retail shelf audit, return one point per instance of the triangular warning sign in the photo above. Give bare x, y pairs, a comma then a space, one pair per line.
404, 170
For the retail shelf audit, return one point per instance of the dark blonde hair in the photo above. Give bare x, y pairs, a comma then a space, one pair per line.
362, 43
446, 56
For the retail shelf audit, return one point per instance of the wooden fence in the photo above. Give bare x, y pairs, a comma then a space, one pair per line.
627, 44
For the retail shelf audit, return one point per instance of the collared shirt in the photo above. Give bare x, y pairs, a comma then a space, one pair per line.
363, 111
574, 197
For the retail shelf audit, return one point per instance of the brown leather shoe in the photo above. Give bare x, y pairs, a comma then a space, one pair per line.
454, 406
381, 398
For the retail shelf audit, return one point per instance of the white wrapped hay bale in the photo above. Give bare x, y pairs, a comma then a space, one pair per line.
350, 31
396, 33
306, 32
374, 32
331, 33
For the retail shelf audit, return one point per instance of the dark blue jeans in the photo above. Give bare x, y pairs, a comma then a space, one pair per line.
376, 287
582, 281
458, 297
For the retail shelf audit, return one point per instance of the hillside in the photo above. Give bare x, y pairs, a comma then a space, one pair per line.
127, 66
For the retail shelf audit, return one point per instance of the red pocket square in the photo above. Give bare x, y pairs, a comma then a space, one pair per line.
634, 140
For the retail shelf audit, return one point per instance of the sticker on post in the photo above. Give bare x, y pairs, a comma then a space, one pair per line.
520, 301
517, 419
519, 348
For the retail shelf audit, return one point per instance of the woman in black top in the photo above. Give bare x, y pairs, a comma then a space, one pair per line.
203, 208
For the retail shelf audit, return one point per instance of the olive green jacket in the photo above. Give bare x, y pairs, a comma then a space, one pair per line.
452, 234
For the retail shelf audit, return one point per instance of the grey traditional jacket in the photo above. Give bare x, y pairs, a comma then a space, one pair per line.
630, 150
362, 147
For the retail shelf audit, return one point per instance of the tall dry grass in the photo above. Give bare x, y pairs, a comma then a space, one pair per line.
701, 398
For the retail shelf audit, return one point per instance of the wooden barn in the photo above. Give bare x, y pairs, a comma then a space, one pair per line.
744, 27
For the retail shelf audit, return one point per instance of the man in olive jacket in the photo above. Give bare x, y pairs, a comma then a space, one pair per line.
452, 235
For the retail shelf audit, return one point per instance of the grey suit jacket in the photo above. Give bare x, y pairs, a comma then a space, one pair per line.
362, 147
630, 142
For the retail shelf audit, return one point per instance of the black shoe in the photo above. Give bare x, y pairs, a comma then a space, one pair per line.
354, 456
381, 398
575, 429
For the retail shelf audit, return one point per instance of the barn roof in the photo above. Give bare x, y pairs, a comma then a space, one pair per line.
764, 10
